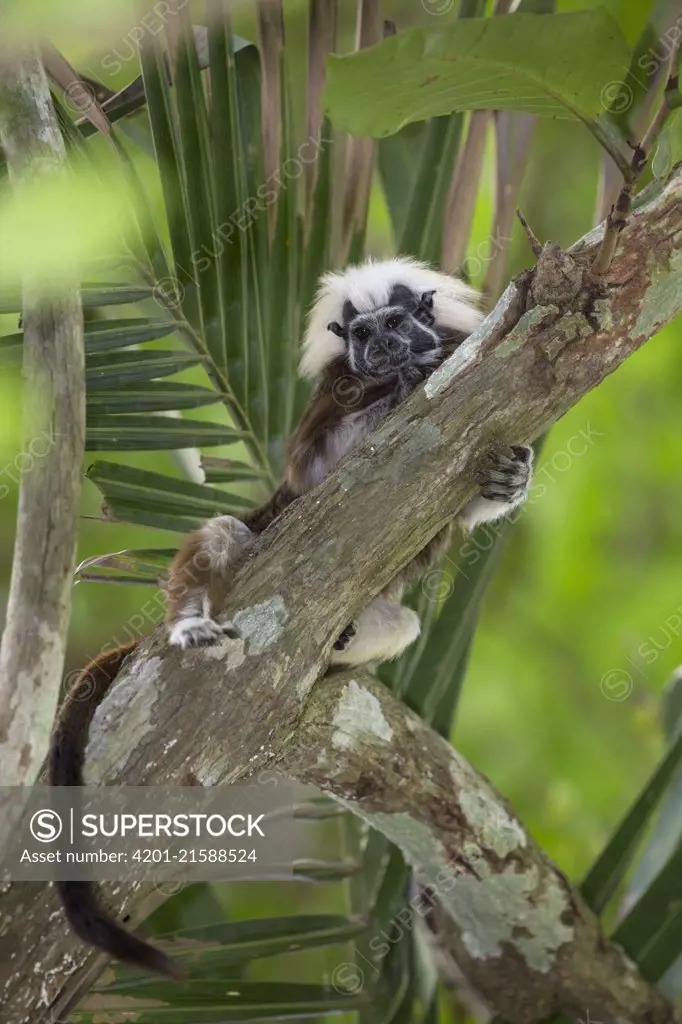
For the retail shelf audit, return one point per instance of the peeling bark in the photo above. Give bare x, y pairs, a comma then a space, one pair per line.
515, 924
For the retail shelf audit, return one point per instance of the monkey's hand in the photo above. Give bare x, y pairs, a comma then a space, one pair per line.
505, 478
345, 637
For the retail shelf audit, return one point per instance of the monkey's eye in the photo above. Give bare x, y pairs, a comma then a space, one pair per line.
394, 321
361, 332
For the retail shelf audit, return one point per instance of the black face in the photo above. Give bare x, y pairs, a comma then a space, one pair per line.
393, 338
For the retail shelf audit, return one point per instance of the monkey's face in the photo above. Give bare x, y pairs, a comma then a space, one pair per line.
391, 339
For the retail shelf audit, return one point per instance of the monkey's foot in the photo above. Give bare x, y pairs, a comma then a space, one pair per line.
506, 474
345, 637
196, 630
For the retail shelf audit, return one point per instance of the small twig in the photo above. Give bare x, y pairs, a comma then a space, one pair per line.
535, 244
617, 217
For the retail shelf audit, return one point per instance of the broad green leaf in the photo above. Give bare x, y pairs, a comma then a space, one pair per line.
154, 433
155, 396
115, 369
161, 493
624, 95
550, 64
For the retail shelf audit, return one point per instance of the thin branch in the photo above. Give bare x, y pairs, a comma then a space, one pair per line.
615, 222
349, 736
533, 241
33, 643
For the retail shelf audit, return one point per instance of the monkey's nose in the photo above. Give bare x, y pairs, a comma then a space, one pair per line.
388, 355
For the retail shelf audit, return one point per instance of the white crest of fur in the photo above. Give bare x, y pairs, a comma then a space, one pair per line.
368, 285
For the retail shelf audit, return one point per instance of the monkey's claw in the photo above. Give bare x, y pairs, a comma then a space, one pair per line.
505, 476
345, 637
195, 631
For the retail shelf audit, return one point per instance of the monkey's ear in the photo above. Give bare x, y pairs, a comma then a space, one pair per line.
349, 312
426, 301
337, 329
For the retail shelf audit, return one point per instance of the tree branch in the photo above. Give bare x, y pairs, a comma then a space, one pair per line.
525, 367
33, 642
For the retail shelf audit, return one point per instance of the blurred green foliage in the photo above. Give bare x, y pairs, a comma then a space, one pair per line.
582, 625
591, 572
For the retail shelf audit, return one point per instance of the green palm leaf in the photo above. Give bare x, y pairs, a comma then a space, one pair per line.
160, 499
113, 370
154, 433
154, 397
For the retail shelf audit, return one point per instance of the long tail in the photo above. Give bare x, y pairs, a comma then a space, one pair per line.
65, 765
